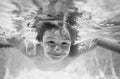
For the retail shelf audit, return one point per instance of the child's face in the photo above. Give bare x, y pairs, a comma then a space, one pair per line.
55, 45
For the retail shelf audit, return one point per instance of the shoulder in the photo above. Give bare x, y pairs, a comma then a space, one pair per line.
31, 48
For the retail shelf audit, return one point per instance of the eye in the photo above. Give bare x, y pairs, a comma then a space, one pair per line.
50, 42
64, 43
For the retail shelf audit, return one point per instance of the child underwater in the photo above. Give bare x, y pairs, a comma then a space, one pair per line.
57, 47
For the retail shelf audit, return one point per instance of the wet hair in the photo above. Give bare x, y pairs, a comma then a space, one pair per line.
49, 26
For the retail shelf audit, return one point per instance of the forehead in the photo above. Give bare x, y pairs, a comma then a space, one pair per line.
57, 33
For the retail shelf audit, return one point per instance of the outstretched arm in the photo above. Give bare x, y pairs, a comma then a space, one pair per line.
86, 45
23, 45
102, 42
18, 43
108, 44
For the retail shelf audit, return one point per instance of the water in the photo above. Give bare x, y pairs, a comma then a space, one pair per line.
96, 64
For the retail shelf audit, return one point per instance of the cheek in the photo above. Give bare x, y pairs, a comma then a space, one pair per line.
47, 47
66, 49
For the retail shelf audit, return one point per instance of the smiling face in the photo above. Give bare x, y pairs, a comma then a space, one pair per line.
56, 46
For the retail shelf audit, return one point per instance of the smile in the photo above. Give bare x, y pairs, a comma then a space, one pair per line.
56, 55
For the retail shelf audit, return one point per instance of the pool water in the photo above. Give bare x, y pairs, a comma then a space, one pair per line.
98, 63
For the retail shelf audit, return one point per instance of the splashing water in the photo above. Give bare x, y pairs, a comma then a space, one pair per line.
96, 21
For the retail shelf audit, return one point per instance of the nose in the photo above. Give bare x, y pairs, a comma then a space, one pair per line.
57, 49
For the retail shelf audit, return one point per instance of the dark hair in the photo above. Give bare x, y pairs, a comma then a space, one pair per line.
49, 26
